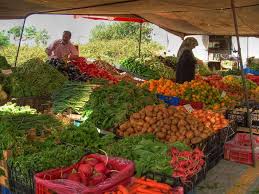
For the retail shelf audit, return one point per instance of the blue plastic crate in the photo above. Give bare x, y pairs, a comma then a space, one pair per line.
171, 100
251, 71
4, 190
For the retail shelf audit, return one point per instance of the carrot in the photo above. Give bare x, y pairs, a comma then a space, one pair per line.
147, 191
123, 189
154, 184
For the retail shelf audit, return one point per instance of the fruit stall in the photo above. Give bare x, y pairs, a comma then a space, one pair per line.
84, 126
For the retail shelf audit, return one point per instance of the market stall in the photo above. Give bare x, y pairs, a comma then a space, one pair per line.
173, 133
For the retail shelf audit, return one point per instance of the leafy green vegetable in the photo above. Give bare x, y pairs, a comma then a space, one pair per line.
35, 78
3, 63
113, 104
147, 153
181, 146
73, 95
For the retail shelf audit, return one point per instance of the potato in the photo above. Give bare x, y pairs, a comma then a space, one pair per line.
173, 139
130, 130
160, 135
149, 108
203, 135
187, 141
167, 137
181, 123
196, 133
174, 128
189, 134
178, 134
183, 130
150, 130
146, 125
164, 130
181, 138
167, 121
196, 140
167, 127
136, 116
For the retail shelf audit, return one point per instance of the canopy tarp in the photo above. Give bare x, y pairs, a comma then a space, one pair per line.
110, 18
178, 16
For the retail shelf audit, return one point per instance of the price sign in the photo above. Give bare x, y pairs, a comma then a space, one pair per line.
223, 94
7, 72
188, 107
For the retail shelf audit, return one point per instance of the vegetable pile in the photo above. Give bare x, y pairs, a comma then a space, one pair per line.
93, 70
149, 68
3, 63
92, 170
147, 153
72, 96
210, 119
35, 78
194, 91
145, 186
167, 124
186, 163
112, 104
138, 69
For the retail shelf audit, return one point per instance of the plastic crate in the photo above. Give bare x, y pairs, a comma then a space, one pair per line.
214, 156
162, 178
255, 118
5, 190
239, 149
208, 144
239, 117
18, 184
171, 100
228, 132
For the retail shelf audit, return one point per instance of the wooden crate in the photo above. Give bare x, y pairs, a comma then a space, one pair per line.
3, 166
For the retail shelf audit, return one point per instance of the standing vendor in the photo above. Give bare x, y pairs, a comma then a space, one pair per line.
62, 49
185, 68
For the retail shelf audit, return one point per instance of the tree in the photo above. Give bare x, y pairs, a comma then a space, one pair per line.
15, 32
30, 33
4, 39
121, 30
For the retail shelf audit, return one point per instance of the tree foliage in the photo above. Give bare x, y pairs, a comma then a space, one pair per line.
4, 39
40, 37
121, 30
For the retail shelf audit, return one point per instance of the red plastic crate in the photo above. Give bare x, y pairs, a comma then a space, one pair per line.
51, 181
239, 148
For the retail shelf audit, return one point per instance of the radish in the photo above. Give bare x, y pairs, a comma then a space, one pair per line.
97, 178
100, 167
84, 178
91, 161
74, 177
86, 169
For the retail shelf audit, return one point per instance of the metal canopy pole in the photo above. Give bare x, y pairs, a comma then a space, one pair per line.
243, 80
20, 41
140, 40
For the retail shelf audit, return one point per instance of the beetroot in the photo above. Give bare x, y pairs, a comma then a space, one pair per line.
96, 179
100, 167
86, 169
74, 177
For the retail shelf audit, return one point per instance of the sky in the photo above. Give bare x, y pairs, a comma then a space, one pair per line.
81, 29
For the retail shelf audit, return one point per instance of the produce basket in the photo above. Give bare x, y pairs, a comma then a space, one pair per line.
170, 100
52, 180
162, 178
18, 184
239, 116
228, 132
255, 118
214, 156
208, 144
5, 190
239, 149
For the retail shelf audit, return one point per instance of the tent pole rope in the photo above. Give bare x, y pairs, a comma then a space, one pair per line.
140, 40
20, 41
243, 80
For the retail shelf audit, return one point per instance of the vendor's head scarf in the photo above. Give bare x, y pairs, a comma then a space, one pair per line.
188, 44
